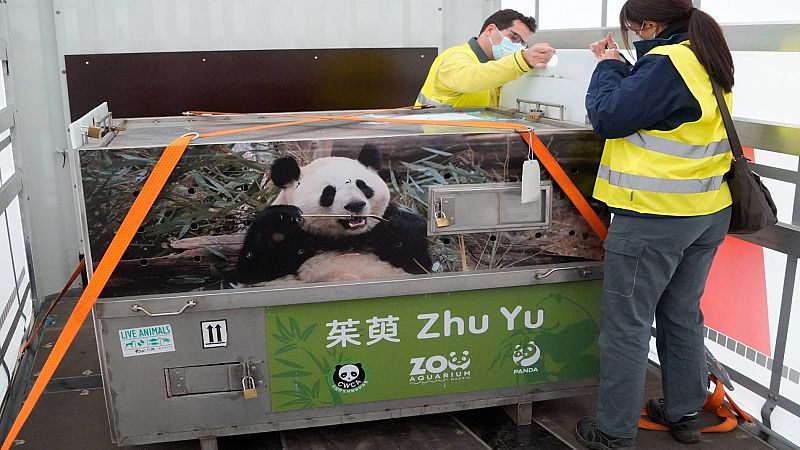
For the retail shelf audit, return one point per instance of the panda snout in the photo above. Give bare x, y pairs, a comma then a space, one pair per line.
356, 206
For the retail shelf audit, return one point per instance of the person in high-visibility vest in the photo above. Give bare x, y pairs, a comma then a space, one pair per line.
471, 74
662, 174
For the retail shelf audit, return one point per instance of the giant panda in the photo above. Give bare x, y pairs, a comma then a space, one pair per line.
282, 244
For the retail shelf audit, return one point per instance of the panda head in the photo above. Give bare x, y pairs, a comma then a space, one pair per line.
349, 372
334, 185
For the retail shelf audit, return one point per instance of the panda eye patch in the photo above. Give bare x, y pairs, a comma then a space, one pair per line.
328, 194
368, 192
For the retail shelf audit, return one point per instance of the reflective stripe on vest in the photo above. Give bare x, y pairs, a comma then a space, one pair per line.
641, 183
678, 172
422, 100
676, 148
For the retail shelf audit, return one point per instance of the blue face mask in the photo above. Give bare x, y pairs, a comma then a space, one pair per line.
505, 47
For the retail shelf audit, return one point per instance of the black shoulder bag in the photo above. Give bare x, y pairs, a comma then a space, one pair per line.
753, 208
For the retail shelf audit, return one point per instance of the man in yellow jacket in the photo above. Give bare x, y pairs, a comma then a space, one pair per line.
471, 75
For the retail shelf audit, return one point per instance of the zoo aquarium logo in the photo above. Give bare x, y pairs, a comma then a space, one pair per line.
349, 378
438, 368
525, 356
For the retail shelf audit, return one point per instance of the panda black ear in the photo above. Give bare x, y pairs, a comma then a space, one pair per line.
284, 171
338, 366
358, 365
370, 156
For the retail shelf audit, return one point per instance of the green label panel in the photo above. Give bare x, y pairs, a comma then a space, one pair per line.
345, 352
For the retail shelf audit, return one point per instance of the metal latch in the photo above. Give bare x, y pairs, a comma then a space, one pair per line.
478, 208
536, 112
99, 129
232, 378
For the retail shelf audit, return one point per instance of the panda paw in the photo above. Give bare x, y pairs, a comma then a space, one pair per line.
280, 217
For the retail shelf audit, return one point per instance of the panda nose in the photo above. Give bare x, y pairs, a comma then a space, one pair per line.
355, 206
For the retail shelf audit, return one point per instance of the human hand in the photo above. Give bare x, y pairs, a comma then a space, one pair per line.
538, 55
606, 49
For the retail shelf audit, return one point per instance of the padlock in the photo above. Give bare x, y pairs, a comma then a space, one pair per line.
249, 388
95, 132
441, 219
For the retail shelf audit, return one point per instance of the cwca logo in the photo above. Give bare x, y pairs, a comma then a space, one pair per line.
433, 369
525, 356
349, 378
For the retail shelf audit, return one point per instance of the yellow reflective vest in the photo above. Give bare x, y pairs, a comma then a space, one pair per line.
463, 76
679, 172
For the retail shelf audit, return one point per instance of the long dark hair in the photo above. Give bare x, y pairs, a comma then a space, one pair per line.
705, 34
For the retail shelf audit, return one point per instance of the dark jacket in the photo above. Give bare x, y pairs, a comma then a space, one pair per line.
650, 95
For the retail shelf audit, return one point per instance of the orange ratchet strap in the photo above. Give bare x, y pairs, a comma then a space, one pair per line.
716, 403
72, 278
152, 187
155, 183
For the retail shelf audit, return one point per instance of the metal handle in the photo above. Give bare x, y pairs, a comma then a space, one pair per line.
538, 104
189, 304
584, 272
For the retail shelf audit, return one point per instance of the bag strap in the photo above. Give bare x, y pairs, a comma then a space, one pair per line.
733, 138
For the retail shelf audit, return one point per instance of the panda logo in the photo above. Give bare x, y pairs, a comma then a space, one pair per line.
526, 355
457, 361
349, 377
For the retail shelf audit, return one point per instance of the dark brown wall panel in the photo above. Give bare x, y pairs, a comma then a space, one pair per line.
166, 84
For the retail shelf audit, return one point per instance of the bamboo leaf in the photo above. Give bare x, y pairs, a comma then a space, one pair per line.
315, 390
303, 388
436, 152
336, 398
307, 332
217, 253
283, 339
282, 328
294, 327
289, 363
323, 368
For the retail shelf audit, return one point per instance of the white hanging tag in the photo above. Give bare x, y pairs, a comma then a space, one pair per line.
531, 181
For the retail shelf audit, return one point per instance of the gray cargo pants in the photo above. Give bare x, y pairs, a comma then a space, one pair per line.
654, 266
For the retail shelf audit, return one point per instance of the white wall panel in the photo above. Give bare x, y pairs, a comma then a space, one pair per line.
747, 11
6, 157
783, 194
121, 26
792, 355
462, 20
555, 14
16, 232
39, 134
774, 275
527, 7
3, 100
784, 423
763, 88
9, 302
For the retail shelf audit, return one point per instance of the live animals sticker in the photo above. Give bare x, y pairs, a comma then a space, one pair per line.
146, 340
